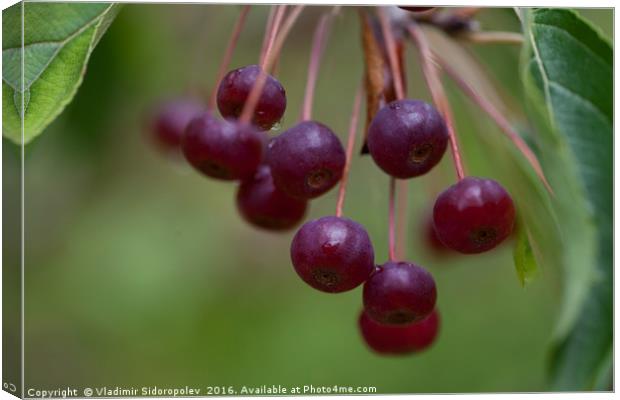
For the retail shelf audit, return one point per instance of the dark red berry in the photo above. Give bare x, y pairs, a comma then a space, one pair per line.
170, 120
474, 215
263, 205
332, 254
454, 23
306, 160
416, 9
235, 89
223, 149
407, 138
399, 339
399, 293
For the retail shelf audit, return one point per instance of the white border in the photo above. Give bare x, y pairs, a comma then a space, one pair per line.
547, 3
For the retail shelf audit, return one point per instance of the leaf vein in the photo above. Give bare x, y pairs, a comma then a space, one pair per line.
580, 43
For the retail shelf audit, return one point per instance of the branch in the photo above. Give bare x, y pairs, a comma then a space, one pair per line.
492, 37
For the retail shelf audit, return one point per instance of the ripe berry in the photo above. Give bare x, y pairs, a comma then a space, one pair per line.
474, 215
407, 138
453, 23
399, 339
416, 9
399, 293
306, 160
223, 149
235, 89
332, 254
265, 206
170, 120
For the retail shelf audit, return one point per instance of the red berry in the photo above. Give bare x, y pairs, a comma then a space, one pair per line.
306, 160
235, 89
223, 149
399, 339
416, 9
474, 215
399, 293
170, 120
332, 254
263, 205
407, 138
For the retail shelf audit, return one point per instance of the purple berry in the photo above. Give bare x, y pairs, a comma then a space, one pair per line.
474, 215
263, 205
416, 9
407, 138
223, 149
306, 160
399, 339
235, 89
399, 293
170, 120
332, 254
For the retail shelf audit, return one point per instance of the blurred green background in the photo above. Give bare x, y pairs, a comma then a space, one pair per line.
139, 271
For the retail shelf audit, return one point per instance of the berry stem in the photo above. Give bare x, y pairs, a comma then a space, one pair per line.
499, 119
318, 46
437, 92
401, 220
392, 223
398, 249
492, 37
270, 57
390, 43
350, 144
271, 37
230, 48
267, 35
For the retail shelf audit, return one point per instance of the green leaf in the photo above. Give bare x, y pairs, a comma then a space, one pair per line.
58, 40
525, 262
568, 73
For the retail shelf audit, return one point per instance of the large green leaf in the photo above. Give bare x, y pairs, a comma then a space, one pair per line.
568, 74
58, 39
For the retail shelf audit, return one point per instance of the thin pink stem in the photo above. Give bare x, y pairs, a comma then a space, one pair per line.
350, 144
273, 32
390, 43
270, 57
437, 92
501, 121
267, 35
397, 250
401, 210
318, 47
287, 25
230, 48
392, 223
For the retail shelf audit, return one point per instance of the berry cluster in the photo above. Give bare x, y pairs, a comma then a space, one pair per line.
278, 176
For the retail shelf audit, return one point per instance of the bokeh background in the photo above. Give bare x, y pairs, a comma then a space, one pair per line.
139, 271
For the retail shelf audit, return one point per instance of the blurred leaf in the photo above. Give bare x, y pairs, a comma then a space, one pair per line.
58, 40
568, 74
523, 255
